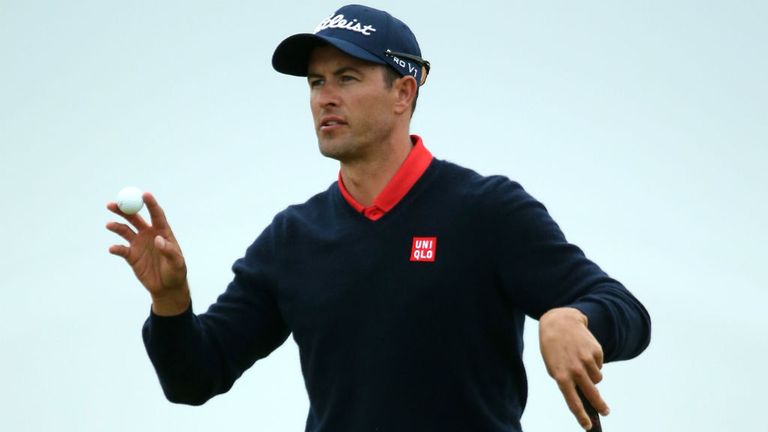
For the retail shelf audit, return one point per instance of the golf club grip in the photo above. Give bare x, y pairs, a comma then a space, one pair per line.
594, 417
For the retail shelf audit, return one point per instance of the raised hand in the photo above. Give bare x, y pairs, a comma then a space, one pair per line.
573, 358
154, 255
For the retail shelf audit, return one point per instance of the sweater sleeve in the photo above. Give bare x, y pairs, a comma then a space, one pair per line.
539, 270
199, 356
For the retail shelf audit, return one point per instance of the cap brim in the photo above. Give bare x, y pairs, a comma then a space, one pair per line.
291, 57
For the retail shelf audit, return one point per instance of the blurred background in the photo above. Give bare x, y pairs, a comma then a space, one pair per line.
641, 125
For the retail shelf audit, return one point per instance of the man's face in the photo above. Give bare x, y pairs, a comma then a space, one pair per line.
352, 107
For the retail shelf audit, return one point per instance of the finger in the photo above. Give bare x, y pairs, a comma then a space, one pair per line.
568, 389
156, 212
122, 230
592, 395
599, 358
135, 219
120, 250
594, 417
594, 372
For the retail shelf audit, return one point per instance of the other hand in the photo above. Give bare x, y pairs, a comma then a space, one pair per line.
573, 358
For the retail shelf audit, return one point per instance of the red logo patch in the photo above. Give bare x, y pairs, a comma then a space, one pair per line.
424, 249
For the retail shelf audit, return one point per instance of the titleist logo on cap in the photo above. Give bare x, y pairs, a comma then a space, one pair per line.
339, 22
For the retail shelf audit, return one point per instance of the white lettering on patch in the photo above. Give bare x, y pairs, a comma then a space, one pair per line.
423, 249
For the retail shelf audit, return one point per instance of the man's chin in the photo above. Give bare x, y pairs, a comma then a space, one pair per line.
329, 150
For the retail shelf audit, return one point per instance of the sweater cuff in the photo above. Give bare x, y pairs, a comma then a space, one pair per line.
164, 329
186, 314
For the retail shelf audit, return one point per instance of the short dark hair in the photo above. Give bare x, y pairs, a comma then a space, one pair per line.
390, 76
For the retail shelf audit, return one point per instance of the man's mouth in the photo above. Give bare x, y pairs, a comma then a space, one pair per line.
331, 123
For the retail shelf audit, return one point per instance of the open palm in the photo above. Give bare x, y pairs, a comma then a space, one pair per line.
152, 251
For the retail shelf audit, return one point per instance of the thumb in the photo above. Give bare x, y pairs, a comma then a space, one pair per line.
169, 251
161, 244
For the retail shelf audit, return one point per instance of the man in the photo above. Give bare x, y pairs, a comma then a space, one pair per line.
405, 284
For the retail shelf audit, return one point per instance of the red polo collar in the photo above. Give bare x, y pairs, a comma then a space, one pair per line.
398, 186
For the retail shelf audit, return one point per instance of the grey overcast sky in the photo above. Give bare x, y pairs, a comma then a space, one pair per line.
641, 125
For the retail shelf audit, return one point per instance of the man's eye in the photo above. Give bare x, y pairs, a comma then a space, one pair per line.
315, 82
347, 78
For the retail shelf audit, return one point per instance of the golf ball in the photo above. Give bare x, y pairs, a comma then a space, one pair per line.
129, 200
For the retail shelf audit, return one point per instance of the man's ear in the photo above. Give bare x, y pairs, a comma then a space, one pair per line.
405, 92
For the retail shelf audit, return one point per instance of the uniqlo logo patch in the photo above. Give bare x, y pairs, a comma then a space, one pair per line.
424, 249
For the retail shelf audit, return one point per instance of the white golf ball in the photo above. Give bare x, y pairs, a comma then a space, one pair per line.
129, 200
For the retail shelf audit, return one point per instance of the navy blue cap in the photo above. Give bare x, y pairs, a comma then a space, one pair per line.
359, 31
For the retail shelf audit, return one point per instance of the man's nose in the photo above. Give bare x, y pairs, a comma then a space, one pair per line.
327, 95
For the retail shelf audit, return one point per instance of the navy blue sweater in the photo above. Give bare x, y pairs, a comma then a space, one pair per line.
388, 343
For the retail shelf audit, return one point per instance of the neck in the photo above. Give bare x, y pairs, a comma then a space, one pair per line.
366, 177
